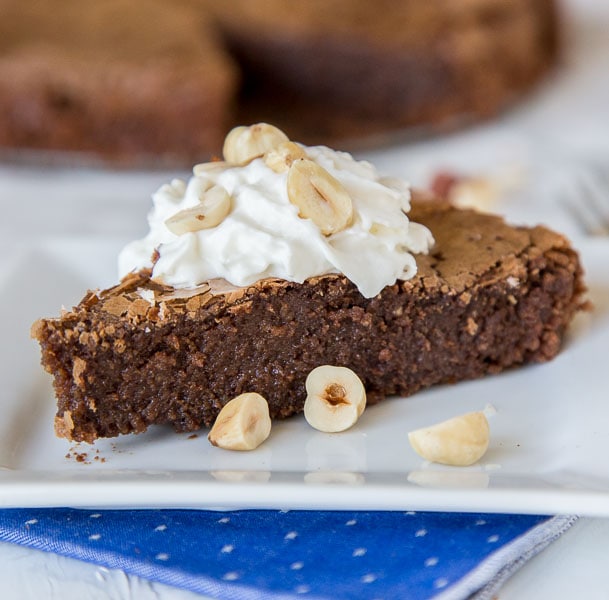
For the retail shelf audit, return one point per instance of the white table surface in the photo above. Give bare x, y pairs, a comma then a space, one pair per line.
534, 148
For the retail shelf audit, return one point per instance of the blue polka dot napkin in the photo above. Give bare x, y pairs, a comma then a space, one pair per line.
247, 554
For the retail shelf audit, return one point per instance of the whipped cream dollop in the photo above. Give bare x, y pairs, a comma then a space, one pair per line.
263, 235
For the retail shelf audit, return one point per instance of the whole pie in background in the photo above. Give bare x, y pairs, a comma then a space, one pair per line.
158, 81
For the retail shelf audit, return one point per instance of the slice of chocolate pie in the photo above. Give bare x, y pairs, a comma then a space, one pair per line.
245, 293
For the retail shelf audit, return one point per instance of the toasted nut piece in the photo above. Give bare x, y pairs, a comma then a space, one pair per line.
460, 441
244, 144
214, 205
319, 196
243, 423
209, 167
280, 159
474, 192
336, 398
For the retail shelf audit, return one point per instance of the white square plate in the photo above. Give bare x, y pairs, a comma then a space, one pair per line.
549, 436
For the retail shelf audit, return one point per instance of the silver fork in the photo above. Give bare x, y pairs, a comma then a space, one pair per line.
586, 198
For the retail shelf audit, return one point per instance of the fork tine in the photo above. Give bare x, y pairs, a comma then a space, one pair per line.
598, 200
589, 203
